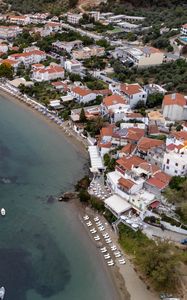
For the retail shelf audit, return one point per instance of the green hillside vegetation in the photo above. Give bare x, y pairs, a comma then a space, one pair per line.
52, 6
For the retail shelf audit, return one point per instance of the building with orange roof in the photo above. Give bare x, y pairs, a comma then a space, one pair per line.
11, 62
174, 107
29, 58
152, 150
51, 72
19, 20
83, 95
114, 106
133, 93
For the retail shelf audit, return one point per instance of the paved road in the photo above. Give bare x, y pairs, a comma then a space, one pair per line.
152, 231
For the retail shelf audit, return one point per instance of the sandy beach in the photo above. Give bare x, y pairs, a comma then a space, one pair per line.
124, 279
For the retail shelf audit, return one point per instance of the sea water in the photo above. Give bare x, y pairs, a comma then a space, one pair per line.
44, 251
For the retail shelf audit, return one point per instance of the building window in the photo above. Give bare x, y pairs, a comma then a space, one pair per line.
167, 167
183, 167
175, 171
167, 162
176, 164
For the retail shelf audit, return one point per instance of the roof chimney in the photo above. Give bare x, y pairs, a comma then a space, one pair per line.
173, 96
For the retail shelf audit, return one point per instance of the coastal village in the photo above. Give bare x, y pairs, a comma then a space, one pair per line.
91, 73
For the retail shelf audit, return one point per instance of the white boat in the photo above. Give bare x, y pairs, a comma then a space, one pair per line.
2, 292
3, 212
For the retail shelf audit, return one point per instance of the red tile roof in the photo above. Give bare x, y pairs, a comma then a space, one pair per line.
81, 91
128, 162
131, 89
156, 183
184, 26
128, 149
126, 183
146, 144
107, 131
113, 99
180, 135
135, 134
174, 99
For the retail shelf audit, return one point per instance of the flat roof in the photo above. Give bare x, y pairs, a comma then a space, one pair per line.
117, 204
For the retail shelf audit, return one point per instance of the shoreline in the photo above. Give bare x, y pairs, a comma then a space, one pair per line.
127, 280
68, 134
124, 278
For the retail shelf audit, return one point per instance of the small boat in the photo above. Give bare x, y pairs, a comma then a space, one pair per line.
3, 212
2, 292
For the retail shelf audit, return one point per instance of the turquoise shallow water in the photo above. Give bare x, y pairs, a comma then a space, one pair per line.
44, 252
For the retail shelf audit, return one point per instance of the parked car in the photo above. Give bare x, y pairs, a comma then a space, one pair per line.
184, 241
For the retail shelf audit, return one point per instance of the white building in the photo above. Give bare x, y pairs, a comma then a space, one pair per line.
73, 18
83, 95
175, 160
73, 66
115, 106
3, 47
48, 73
174, 107
87, 52
29, 58
140, 57
9, 32
20, 20
133, 93
184, 29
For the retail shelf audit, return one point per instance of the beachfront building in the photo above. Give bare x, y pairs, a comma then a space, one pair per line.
83, 95
174, 107
87, 52
133, 93
19, 20
51, 72
9, 32
29, 58
73, 66
184, 29
73, 18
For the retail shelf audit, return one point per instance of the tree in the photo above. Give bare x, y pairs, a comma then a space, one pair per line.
106, 158
154, 100
82, 116
6, 70
159, 264
84, 196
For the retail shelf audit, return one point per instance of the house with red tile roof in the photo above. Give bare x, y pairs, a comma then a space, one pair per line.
152, 150
114, 106
133, 93
174, 107
83, 95
19, 20
51, 72
29, 58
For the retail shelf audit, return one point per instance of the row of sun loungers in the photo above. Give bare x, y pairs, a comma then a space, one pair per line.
98, 226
